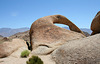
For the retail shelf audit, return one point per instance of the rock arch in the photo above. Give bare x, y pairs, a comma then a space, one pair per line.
52, 32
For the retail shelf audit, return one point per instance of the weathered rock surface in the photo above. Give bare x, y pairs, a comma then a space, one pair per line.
43, 32
82, 51
8, 48
13, 60
47, 59
95, 25
13, 51
17, 53
43, 50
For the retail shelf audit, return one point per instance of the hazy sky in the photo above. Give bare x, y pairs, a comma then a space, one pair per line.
22, 13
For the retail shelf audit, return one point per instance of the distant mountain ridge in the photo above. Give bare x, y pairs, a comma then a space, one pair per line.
6, 32
86, 30
83, 29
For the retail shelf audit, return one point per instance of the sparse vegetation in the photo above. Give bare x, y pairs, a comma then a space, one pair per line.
25, 53
34, 60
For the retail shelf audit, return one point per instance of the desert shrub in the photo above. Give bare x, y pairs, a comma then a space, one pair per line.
25, 53
34, 60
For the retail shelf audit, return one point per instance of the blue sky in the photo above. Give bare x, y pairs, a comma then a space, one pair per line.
22, 13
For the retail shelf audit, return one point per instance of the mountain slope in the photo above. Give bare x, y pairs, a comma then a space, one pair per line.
86, 30
21, 35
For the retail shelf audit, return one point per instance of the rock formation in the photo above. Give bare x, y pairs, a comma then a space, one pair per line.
95, 25
8, 48
53, 44
10, 52
44, 32
13, 60
82, 51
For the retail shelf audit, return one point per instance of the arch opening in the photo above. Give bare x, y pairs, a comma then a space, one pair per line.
62, 26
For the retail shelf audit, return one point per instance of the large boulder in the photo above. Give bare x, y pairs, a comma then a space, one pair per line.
44, 33
95, 25
82, 51
15, 57
9, 47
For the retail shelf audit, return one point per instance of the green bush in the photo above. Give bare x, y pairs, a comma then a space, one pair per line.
34, 60
25, 53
